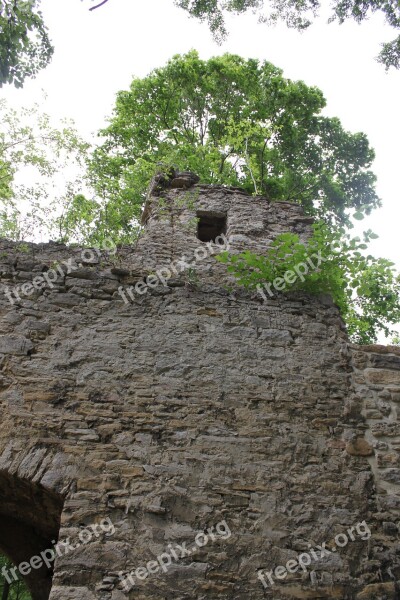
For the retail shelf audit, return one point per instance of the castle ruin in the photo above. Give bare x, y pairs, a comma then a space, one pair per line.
191, 414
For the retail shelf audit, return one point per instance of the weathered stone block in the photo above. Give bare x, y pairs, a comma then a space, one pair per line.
359, 447
377, 591
382, 376
15, 344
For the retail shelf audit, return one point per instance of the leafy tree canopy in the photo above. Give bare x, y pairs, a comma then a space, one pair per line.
232, 121
41, 172
299, 15
25, 47
240, 122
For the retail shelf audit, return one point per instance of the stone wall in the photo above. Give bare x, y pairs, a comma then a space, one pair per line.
376, 379
190, 405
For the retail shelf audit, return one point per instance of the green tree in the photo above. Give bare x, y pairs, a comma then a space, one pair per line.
240, 122
299, 15
366, 289
232, 121
25, 46
41, 172
9, 588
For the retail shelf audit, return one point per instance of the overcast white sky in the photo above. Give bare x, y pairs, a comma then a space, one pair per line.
98, 52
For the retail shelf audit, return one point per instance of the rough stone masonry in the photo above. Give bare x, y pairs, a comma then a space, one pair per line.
192, 404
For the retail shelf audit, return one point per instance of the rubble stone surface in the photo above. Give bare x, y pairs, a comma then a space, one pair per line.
188, 405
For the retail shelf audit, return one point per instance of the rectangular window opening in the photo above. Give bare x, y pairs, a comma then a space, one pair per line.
210, 226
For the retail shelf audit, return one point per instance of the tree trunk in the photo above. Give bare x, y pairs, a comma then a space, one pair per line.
6, 590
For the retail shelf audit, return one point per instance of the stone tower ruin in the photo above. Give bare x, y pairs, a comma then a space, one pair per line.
182, 438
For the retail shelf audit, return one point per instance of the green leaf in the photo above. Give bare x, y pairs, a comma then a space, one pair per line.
366, 289
234, 122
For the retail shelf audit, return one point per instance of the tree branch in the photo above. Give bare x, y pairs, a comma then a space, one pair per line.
262, 165
98, 5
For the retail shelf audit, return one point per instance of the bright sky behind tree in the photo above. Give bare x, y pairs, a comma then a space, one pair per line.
97, 53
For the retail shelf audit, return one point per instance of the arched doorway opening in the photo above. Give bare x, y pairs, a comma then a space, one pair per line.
29, 525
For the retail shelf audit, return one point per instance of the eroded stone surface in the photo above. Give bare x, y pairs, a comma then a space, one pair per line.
195, 404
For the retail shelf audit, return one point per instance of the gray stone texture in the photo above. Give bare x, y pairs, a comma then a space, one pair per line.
194, 403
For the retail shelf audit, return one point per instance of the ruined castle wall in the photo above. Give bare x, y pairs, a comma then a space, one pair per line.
192, 404
376, 380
